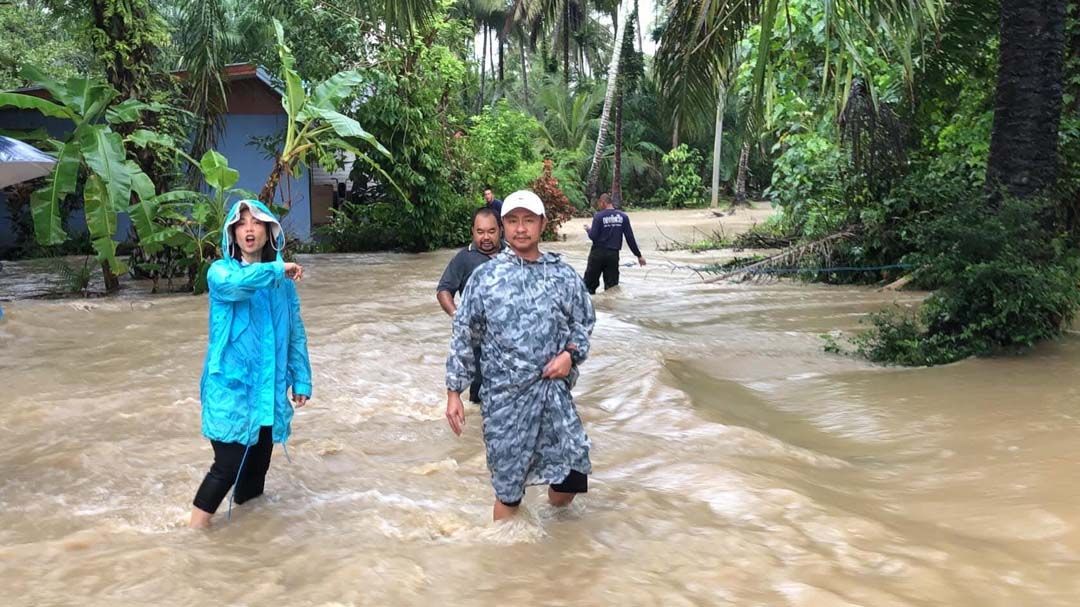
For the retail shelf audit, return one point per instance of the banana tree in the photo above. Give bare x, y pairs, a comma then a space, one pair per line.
315, 129
94, 156
192, 221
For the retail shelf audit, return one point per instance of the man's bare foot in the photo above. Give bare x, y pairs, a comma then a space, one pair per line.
502, 512
200, 519
558, 499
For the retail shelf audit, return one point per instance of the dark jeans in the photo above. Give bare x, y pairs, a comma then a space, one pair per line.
602, 261
223, 473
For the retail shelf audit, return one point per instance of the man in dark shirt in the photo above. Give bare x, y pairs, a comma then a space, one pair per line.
494, 204
486, 243
609, 227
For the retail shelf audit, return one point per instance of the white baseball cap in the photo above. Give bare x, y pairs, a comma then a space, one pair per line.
523, 199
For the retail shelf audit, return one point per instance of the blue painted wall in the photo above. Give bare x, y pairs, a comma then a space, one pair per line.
254, 166
236, 144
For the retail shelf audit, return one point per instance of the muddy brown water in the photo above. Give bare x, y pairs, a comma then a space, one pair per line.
735, 462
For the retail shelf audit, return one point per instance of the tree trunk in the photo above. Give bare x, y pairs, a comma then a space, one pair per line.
718, 139
675, 133
483, 68
601, 136
1027, 108
269, 189
740, 181
566, 42
581, 60
112, 281
637, 14
491, 59
524, 72
502, 44
616, 170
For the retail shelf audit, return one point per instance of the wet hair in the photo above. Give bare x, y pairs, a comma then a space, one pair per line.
268, 252
488, 188
484, 212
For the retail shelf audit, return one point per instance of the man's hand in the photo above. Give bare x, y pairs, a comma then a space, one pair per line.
299, 400
558, 367
294, 271
455, 412
641, 261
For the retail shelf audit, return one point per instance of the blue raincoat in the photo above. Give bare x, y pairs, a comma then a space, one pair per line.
258, 347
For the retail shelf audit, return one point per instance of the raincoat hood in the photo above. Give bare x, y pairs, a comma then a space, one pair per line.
260, 212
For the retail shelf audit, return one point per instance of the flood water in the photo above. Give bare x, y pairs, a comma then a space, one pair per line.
735, 463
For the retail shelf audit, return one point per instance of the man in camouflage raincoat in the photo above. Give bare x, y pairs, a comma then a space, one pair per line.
531, 316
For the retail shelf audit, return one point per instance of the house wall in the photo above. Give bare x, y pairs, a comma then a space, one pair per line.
255, 165
323, 184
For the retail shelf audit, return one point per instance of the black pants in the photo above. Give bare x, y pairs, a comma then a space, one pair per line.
575, 482
602, 261
223, 473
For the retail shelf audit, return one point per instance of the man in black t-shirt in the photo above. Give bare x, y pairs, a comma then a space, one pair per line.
486, 243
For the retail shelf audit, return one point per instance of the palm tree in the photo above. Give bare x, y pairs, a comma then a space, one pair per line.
612, 78
208, 35
566, 121
702, 35
1024, 139
568, 23
701, 39
632, 70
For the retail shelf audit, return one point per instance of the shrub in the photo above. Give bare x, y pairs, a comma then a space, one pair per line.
500, 142
682, 186
387, 225
1007, 281
557, 207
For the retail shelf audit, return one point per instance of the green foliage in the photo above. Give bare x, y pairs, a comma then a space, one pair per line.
1007, 281
126, 37
31, 34
71, 280
682, 185
500, 141
415, 110
808, 183
564, 169
384, 226
188, 238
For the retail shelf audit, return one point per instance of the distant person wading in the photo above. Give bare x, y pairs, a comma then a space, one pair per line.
609, 227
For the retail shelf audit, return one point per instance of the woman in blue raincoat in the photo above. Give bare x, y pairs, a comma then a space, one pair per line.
257, 352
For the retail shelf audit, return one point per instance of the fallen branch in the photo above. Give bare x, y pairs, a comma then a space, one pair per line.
821, 248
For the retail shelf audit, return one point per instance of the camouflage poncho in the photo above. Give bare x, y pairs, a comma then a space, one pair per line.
522, 314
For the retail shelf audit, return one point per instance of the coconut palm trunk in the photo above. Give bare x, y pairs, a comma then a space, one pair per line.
601, 137
718, 139
740, 180
1024, 139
